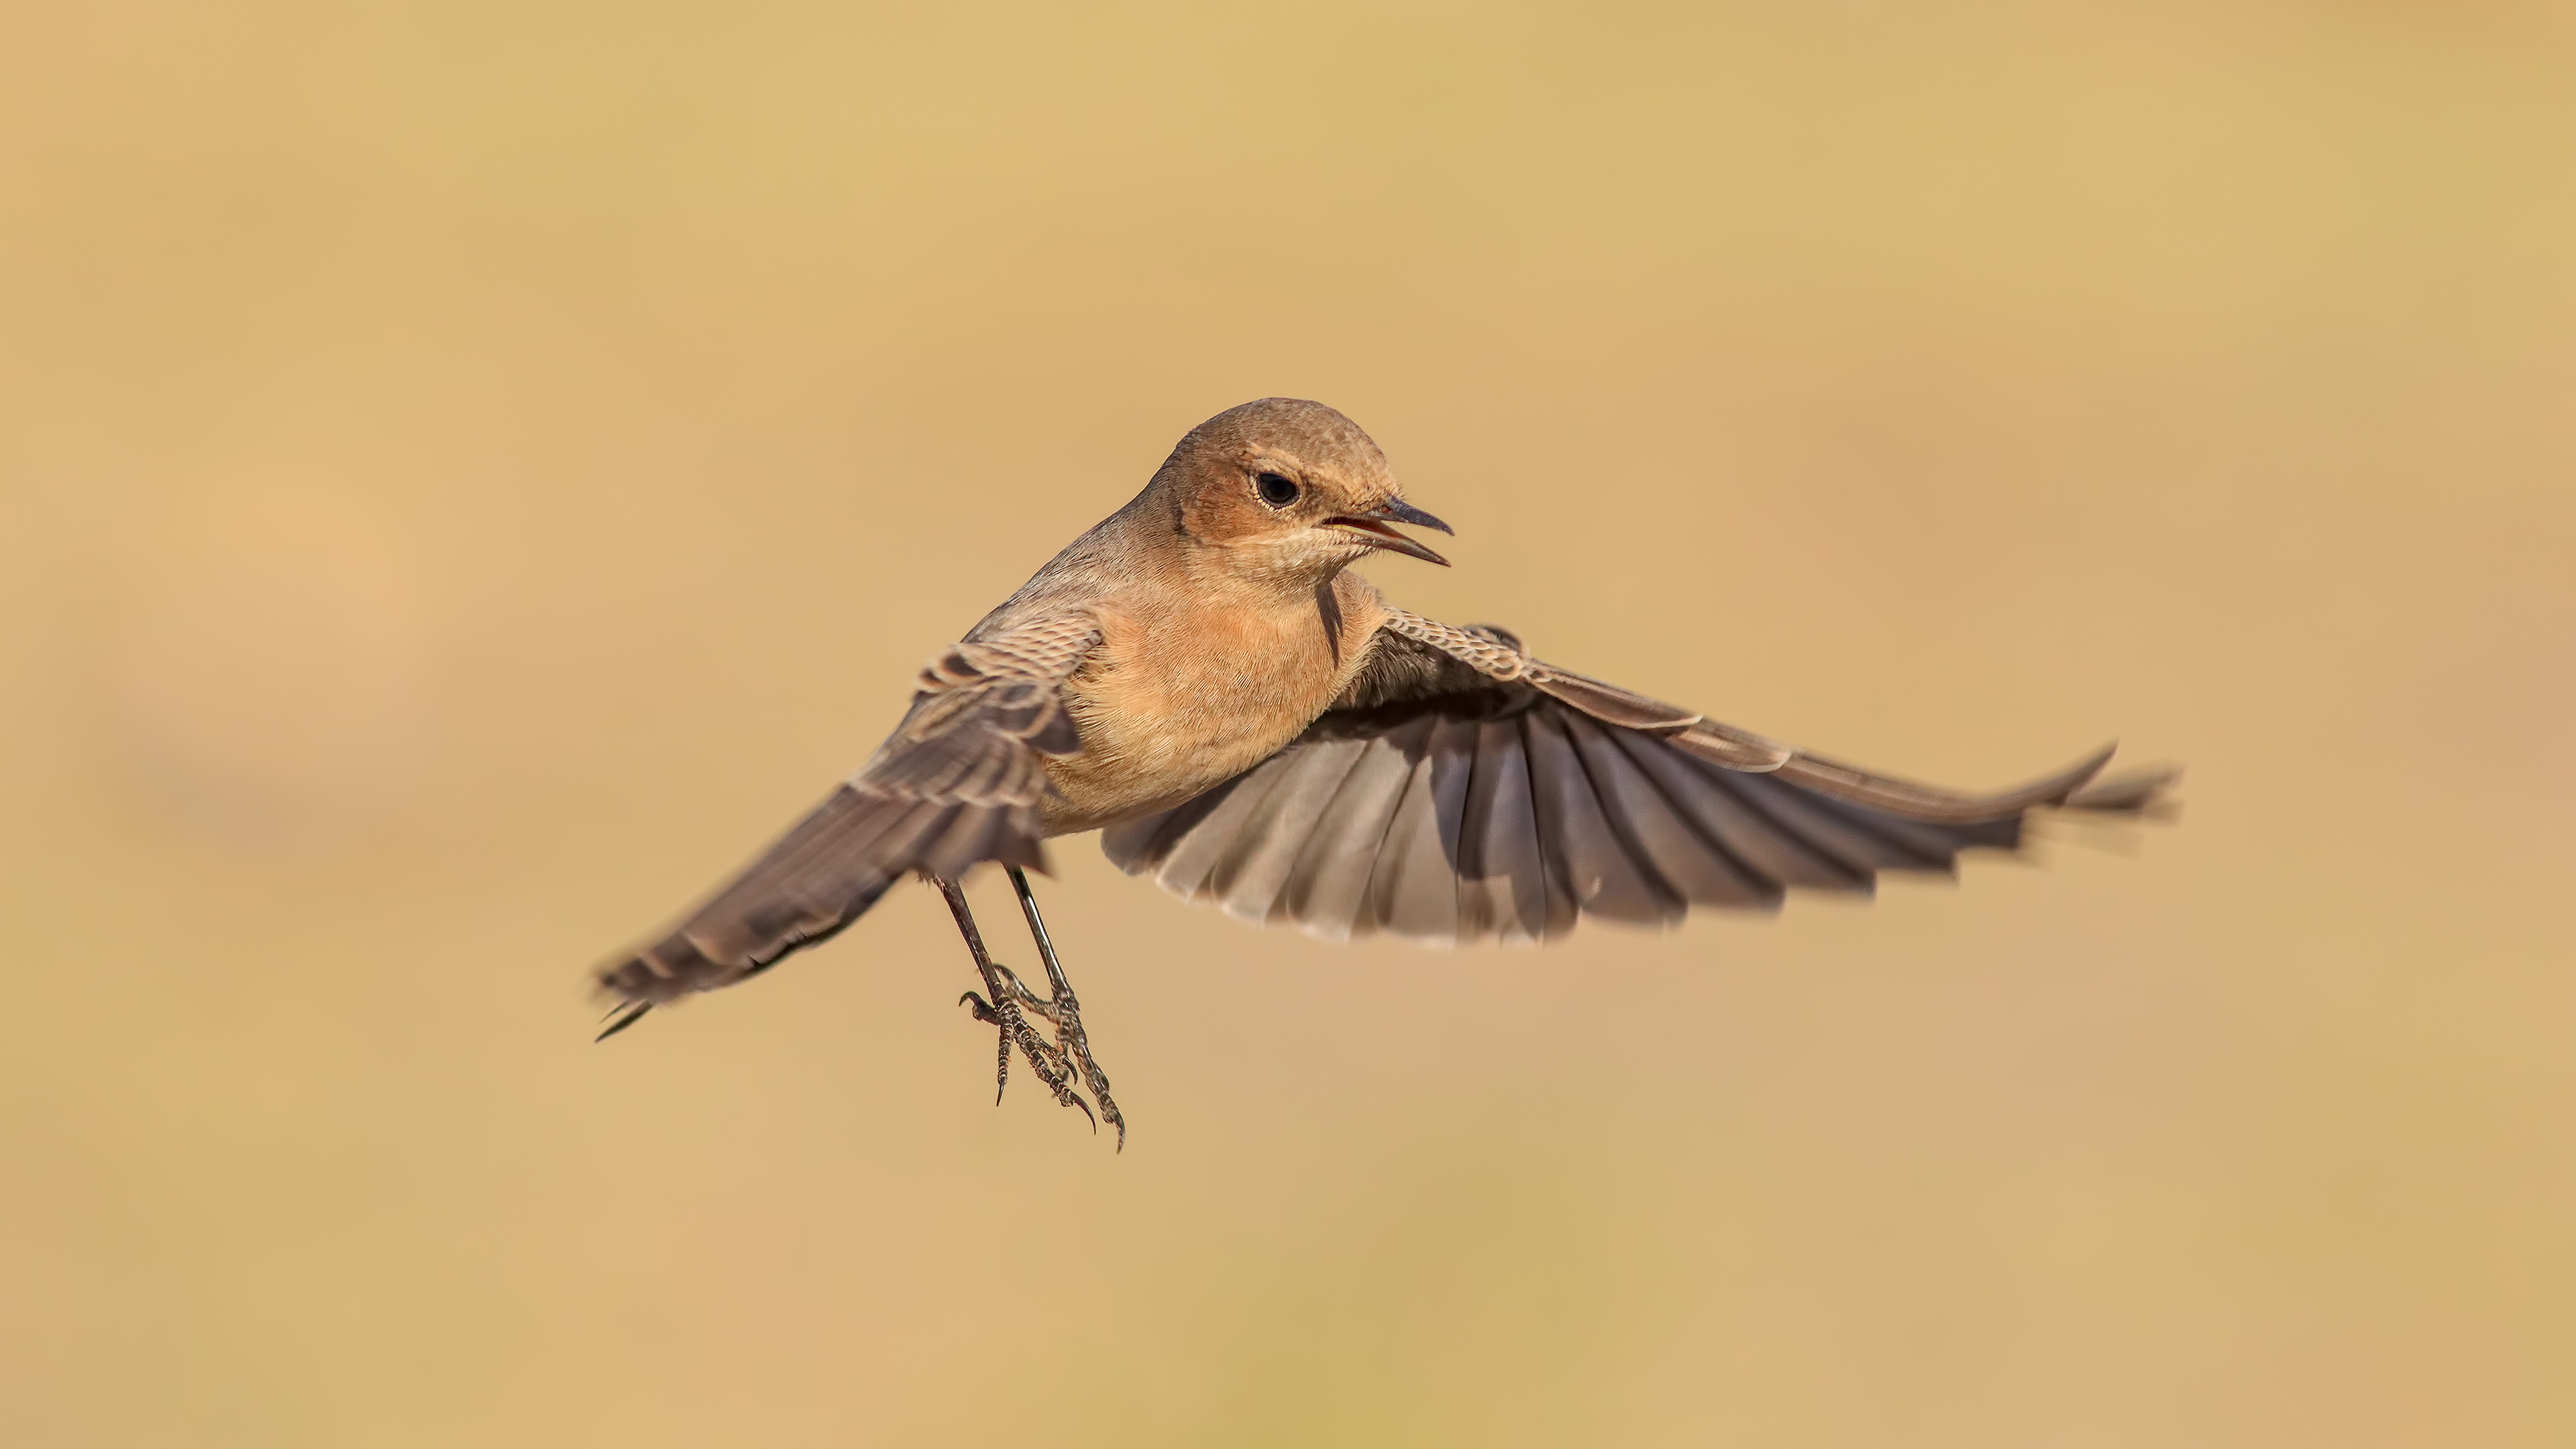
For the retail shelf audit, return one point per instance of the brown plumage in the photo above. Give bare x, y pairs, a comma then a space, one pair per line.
1259, 728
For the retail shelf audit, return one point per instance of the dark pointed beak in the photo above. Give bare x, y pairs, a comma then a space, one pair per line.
1372, 527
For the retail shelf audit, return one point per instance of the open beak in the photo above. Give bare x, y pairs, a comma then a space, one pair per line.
1373, 530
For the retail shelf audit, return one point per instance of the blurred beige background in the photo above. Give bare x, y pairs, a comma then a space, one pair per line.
469, 473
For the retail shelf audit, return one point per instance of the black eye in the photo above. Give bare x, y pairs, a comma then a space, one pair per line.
1277, 489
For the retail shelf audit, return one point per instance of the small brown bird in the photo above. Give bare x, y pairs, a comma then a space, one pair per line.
1251, 724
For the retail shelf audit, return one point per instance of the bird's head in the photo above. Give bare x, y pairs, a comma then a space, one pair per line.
1287, 491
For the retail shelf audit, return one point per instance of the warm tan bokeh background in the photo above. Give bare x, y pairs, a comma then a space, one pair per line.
468, 473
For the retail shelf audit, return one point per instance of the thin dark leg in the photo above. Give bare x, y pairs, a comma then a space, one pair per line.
1003, 1011
1065, 1011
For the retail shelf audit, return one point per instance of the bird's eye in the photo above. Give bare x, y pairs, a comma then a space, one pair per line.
1277, 489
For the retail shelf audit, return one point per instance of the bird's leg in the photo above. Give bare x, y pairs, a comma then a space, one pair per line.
1003, 1012
1063, 1009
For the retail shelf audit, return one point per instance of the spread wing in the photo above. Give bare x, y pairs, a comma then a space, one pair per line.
1460, 790
961, 780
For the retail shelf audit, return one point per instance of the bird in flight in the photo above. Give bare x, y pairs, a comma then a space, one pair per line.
1202, 679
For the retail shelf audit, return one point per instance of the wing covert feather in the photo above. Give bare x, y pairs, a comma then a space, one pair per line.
961, 780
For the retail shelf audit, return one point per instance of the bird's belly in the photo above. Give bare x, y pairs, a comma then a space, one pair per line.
1154, 737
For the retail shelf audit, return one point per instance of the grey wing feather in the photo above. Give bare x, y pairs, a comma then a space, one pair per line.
1500, 849
1413, 889
1257, 865
1460, 790
1606, 879
961, 780
1329, 887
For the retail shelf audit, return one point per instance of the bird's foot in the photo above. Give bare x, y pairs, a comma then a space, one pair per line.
1070, 1054
1049, 1062
1059, 1064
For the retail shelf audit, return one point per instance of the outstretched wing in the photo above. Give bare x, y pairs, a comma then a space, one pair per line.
962, 779
1461, 790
